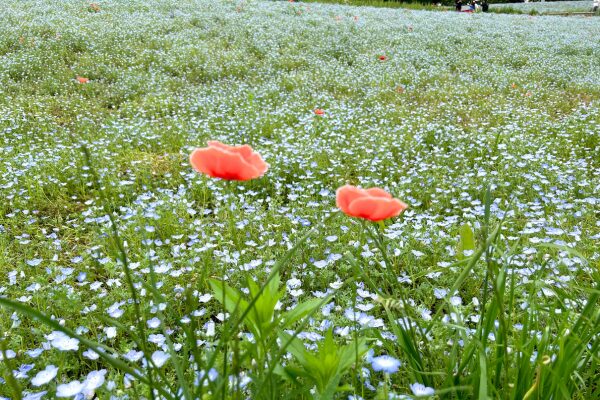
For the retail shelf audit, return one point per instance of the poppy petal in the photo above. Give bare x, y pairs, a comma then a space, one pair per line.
220, 160
377, 192
346, 195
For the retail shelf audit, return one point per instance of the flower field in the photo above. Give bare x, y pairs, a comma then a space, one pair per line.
416, 213
549, 6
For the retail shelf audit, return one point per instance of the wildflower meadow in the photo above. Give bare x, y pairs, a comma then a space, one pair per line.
223, 199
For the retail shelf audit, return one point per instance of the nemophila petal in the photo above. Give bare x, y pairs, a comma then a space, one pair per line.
133, 355
35, 353
70, 389
44, 376
23, 371
34, 396
153, 323
9, 354
110, 331
386, 364
93, 381
64, 343
91, 354
160, 358
419, 389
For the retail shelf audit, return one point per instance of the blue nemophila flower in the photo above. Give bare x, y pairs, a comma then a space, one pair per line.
45, 375
133, 355
9, 354
153, 323
160, 358
385, 363
93, 381
23, 371
419, 389
34, 396
62, 342
70, 389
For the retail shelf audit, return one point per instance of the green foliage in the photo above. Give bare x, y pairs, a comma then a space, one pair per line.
466, 242
323, 368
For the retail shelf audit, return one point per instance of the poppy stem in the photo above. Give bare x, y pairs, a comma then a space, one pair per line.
231, 218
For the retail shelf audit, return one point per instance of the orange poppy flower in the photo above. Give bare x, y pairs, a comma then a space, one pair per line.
319, 111
514, 85
382, 58
81, 79
237, 163
374, 204
94, 7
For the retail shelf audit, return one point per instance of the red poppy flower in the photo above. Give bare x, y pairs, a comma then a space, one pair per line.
373, 204
81, 79
238, 163
382, 58
319, 111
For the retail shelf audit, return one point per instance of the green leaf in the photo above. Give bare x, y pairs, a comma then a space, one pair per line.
483, 388
296, 348
233, 302
467, 241
349, 353
299, 312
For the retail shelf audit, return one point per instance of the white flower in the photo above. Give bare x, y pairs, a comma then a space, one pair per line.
45, 376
